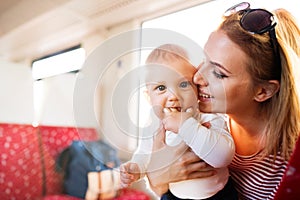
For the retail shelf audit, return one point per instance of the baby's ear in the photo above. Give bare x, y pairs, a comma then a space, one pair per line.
267, 90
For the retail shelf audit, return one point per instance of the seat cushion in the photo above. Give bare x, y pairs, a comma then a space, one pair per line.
289, 186
20, 168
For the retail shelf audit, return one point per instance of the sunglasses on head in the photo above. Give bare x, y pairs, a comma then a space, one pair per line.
257, 21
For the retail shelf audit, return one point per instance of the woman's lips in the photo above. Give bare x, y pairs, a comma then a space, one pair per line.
204, 97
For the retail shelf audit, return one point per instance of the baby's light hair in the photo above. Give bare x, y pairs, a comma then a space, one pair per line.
166, 53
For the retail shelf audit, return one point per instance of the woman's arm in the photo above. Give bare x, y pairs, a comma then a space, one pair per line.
179, 163
188, 166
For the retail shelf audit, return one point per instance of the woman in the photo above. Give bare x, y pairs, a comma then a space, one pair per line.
249, 76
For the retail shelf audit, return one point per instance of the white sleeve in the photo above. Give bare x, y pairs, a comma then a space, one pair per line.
214, 145
143, 152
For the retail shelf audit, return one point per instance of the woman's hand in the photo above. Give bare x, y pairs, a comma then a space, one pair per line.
179, 163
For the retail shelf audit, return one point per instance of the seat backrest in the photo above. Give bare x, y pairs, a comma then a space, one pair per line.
289, 186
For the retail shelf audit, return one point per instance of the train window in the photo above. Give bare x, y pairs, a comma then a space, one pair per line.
198, 21
68, 60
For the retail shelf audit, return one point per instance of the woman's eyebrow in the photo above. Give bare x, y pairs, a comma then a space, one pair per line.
220, 66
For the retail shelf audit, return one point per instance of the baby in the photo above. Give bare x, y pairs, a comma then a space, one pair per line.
170, 88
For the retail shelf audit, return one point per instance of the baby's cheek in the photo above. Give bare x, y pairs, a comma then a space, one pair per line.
158, 111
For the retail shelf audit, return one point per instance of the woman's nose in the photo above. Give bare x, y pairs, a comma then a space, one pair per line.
199, 79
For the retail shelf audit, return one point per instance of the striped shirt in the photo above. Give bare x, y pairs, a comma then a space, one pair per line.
256, 177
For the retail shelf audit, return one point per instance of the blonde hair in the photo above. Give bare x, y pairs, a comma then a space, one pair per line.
282, 110
287, 29
166, 53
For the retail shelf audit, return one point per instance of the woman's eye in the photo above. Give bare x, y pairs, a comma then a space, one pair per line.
219, 75
160, 88
184, 84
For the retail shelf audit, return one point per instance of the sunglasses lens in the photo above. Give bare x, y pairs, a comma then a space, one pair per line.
236, 8
257, 21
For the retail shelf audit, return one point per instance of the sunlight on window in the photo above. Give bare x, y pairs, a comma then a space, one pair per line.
67, 61
197, 22
58, 64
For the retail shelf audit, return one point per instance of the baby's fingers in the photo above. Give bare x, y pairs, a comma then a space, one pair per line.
169, 110
126, 179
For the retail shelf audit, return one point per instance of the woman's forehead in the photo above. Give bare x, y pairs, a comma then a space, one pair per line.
220, 49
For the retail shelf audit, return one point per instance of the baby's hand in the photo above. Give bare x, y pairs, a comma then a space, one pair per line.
173, 119
129, 173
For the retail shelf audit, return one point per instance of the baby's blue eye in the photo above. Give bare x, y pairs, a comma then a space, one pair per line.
161, 88
184, 84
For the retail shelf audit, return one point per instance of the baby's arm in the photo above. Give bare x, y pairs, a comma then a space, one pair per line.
135, 169
214, 144
129, 173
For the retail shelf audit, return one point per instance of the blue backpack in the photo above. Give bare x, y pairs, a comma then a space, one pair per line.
82, 157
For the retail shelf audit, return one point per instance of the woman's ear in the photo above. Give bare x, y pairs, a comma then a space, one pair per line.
267, 90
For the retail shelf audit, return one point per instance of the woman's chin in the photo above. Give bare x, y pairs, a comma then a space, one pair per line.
205, 108
210, 108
